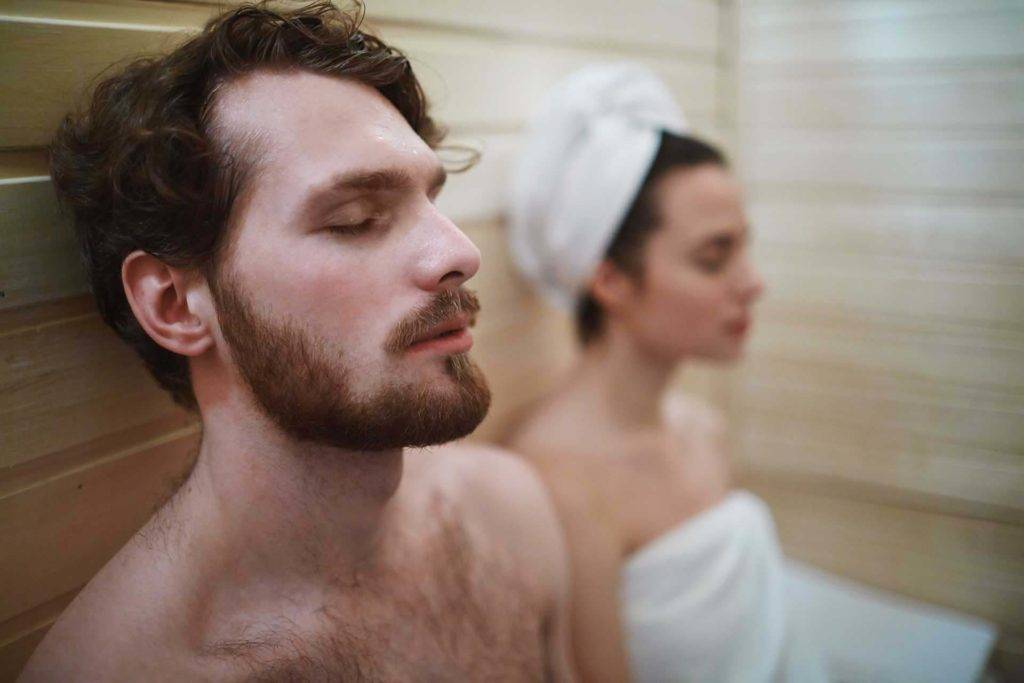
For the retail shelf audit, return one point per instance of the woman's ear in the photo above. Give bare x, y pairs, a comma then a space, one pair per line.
165, 301
612, 288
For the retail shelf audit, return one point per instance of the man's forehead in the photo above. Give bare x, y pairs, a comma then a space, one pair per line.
305, 129
306, 113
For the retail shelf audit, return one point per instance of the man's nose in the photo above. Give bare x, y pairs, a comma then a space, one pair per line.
450, 258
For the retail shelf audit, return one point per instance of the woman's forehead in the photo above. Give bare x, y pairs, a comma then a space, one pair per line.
695, 203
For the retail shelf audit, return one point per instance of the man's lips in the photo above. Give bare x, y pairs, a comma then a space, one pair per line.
450, 336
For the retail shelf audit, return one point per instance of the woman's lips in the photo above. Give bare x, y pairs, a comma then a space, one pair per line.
738, 328
454, 341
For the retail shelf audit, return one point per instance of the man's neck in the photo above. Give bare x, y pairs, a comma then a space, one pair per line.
294, 511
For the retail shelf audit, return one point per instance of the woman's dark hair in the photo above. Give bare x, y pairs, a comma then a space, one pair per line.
144, 167
642, 219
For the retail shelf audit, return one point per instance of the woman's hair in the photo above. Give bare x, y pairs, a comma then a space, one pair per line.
642, 219
144, 166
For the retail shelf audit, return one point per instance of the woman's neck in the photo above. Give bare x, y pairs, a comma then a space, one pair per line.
627, 381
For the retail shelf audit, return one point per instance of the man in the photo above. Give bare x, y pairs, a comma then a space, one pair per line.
256, 211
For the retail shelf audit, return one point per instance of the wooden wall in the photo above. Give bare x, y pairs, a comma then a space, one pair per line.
88, 444
881, 410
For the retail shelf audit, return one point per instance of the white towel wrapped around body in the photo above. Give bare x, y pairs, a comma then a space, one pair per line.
706, 602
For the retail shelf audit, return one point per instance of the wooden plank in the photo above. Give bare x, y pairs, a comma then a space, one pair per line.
986, 367
881, 31
688, 26
66, 381
922, 407
143, 15
20, 636
48, 67
58, 533
989, 165
859, 284
985, 98
867, 460
19, 166
983, 232
476, 82
975, 566
39, 257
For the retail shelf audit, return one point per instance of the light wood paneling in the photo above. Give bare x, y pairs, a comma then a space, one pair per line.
69, 380
891, 31
39, 260
920, 288
988, 165
861, 457
794, 386
967, 564
20, 636
688, 26
48, 65
468, 77
982, 232
951, 98
60, 531
881, 410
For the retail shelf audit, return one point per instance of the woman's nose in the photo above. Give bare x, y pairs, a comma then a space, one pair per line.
751, 284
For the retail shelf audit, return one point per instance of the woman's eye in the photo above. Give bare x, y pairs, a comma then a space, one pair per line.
353, 229
712, 263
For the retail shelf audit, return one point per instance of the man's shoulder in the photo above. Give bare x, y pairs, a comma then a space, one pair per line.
499, 490
118, 626
484, 476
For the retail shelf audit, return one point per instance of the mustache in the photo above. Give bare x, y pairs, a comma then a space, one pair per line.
445, 306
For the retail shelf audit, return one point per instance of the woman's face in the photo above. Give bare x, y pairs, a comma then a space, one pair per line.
698, 286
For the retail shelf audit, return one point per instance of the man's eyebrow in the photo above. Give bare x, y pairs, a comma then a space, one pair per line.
383, 179
376, 180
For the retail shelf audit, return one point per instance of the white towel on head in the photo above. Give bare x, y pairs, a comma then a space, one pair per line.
587, 152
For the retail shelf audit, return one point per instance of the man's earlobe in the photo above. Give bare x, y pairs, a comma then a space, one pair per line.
159, 297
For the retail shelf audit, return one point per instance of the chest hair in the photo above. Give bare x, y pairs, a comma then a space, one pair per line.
453, 607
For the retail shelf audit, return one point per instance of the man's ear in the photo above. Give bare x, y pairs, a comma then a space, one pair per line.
170, 303
612, 288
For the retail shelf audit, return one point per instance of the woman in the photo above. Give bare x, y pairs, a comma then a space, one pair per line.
642, 230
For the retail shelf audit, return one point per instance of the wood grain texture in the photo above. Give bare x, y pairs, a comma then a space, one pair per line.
880, 409
60, 531
688, 26
981, 232
952, 98
49, 65
39, 257
917, 405
880, 31
68, 380
907, 288
966, 564
20, 636
989, 165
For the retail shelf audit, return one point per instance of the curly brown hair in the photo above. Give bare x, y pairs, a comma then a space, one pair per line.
142, 166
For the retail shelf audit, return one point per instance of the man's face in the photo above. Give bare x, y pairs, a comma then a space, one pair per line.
341, 274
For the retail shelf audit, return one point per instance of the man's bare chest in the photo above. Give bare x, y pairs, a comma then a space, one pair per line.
457, 610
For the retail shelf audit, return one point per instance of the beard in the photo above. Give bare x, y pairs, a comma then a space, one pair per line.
306, 390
